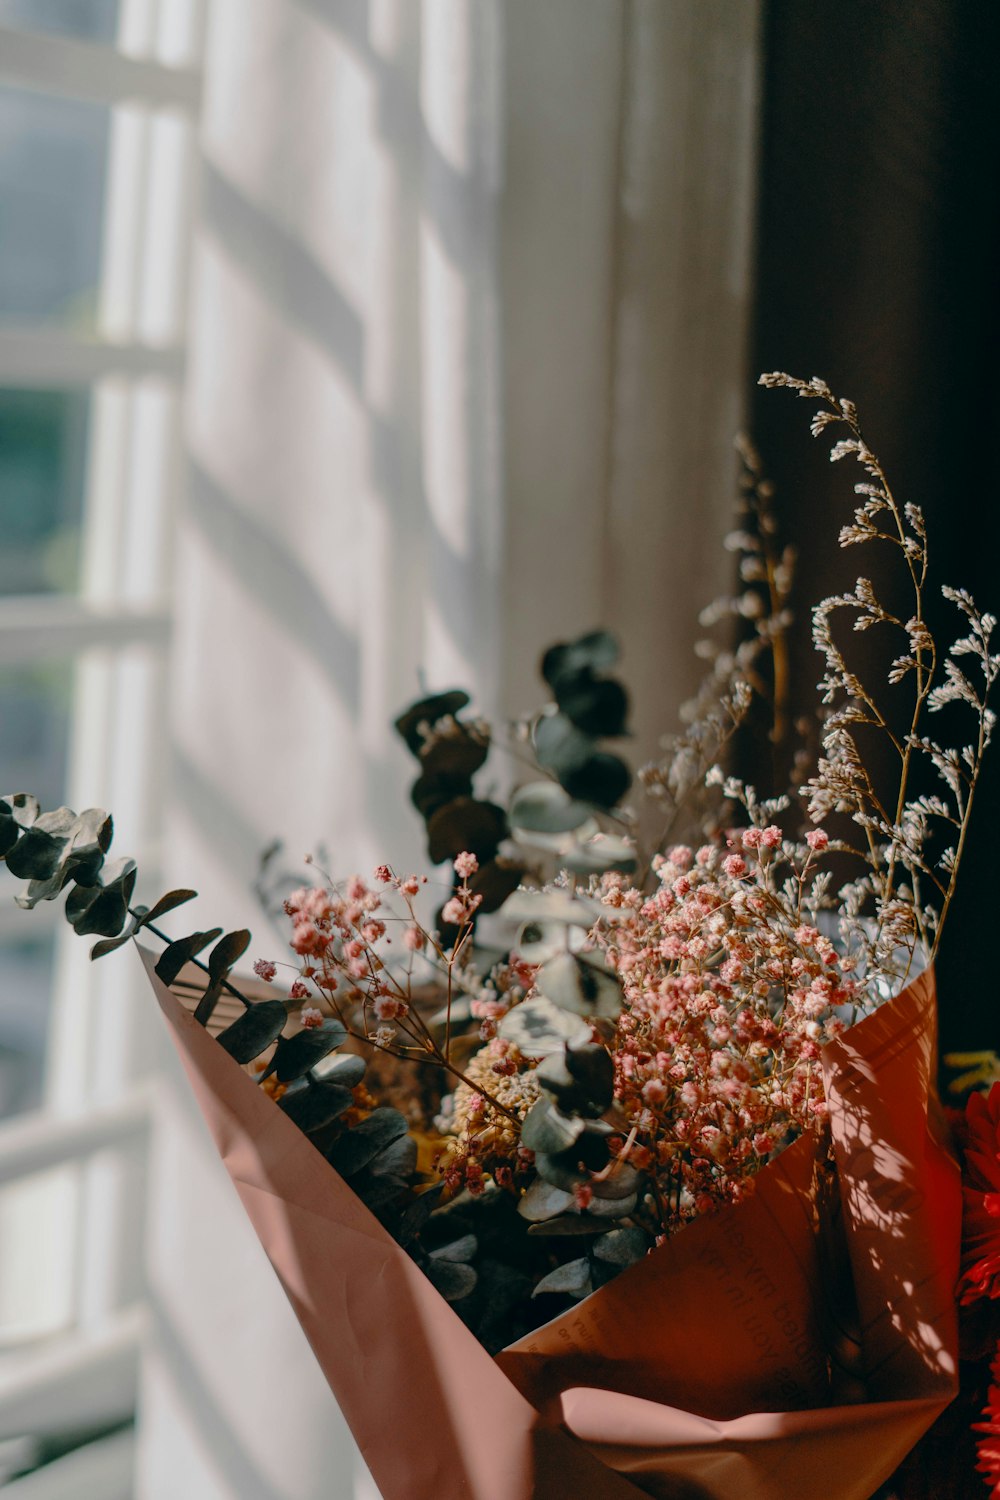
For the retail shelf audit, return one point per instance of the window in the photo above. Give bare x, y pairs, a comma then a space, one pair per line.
98, 104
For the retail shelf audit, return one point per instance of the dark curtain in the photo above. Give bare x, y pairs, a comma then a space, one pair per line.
877, 269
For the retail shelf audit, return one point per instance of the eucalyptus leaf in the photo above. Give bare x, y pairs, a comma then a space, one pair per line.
398, 1159
601, 853
429, 711
544, 1201
494, 881
429, 793
465, 824
180, 952
166, 903
603, 779
346, 1069
254, 1031
417, 1213
314, 1105
546, 1129
538, 1027
595, 705
575, 985
464, 1248
543, 807
572, 1280
295, 1055
102, 908
551, 906
560, 746
361, 1145
538, 941
595, 651
227, 951
568, 1225
622, 1247
453, 1281
612, 1208
622, 1182
24, 809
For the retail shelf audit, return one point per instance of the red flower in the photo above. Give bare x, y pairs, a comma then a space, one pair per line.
981, 1206
988, 1447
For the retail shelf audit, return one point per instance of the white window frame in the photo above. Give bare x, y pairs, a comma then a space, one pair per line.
78, 1162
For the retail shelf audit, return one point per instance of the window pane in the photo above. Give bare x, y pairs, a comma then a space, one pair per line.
34, 746
91, 20
26, 967
43, 447
53, 155
35, 706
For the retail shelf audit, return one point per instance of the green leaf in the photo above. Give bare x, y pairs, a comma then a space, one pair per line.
255, 1030
573, 984
429, 793
545, 1128
604, 852
551, 906
38, 855
494, 881
175, 955
453, 1281
24, 809
571, 1279
538, 1027
454, 754
544, 1200
589, 1094
543, 807
102, 908
465, 824
569, 1224
622, 1247
361, 1145
596, 651
398, 1159
612, 1208
622, 1182
603, 779
428, 711
166, 903
594, 705
295, 1055
464, 1248
314, 1105
415, 1217
108, 945
346, 1069
226, 952
560, 746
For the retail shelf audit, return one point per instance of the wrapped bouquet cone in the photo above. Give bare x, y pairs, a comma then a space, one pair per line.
796, 1344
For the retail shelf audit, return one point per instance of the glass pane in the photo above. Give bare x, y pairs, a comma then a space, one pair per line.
35, 703
43, 448
35, 706
91, 20
26, 971
53, 158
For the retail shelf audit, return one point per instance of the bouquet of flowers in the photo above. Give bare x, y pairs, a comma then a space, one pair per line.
654, 1194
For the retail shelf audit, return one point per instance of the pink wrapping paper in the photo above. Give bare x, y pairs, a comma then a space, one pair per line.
776, 1351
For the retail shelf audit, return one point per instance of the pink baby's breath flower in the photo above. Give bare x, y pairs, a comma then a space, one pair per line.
414, 939
265, 969
372, 931
654, 1091
466, 865
389, 1008
356, 888
735, 866
817, 839
752, 838
307, 938
311, 1017
771, 837
453, 912
410, 886
298, 991
383, 875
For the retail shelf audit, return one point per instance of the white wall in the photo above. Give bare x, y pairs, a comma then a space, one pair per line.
466, 360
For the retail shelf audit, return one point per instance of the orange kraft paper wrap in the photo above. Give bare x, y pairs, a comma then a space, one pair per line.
707, 1371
